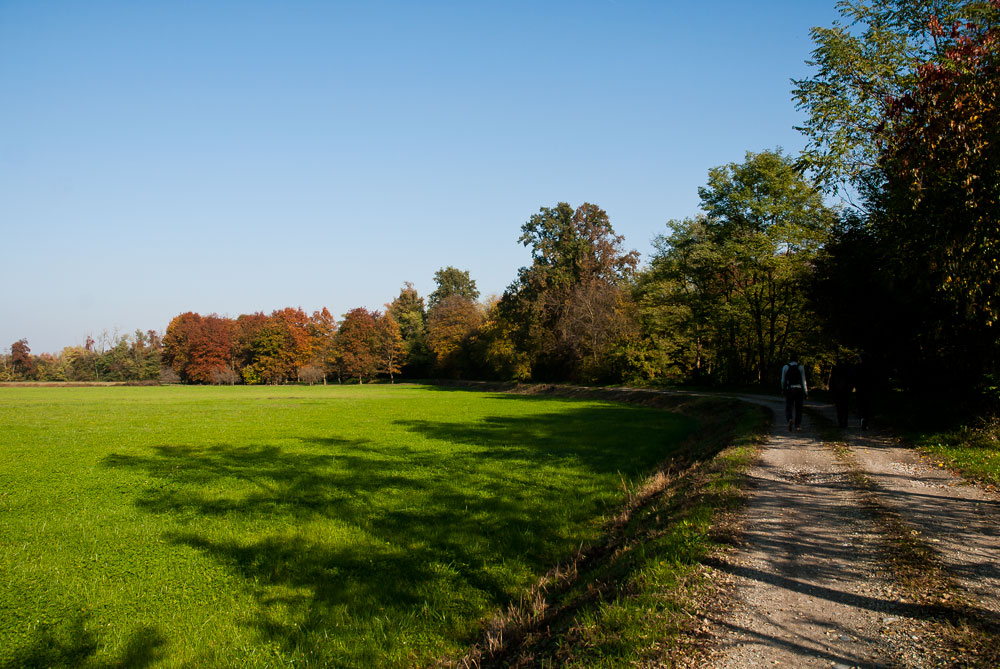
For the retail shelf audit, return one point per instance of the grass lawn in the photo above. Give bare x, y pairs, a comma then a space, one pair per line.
341, 526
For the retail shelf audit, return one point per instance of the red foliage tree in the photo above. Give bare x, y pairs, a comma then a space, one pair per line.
356, 344
20, 359
198, 347
941, 163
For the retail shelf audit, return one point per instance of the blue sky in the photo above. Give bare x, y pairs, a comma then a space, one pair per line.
231, 157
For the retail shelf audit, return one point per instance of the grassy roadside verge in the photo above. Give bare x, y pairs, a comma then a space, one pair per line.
971, 451
634, 596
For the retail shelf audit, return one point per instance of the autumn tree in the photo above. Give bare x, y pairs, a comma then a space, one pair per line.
496, 352
246, 329
860, 64
22, 364
197, 347
49, 367
80, 362
388, 343
598, 317
941, 166
269, 358
322, 333
356, 344
450, 324
923, 248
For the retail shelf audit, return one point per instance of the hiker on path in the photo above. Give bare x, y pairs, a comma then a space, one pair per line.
793, 384
863, 383
841, 386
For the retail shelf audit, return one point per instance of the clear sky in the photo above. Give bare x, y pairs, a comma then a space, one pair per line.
232, 157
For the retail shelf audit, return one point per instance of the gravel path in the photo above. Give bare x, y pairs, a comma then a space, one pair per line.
957, 521
812, 584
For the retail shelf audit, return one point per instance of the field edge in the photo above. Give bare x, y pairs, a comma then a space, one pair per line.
636, 594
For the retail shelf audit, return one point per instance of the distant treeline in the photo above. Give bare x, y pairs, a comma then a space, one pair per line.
907, 273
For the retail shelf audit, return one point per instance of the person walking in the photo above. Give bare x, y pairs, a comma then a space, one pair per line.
793, 384
863, 384
841, 386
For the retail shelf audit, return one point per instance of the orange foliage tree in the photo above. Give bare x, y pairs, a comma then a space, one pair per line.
356, 344
389, 349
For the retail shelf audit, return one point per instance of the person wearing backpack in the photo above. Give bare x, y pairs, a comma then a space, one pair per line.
793, 384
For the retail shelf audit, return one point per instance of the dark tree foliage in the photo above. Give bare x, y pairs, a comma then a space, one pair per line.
913, 278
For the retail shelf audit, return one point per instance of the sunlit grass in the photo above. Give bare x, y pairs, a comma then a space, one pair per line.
346, 526
636, 598
973, 451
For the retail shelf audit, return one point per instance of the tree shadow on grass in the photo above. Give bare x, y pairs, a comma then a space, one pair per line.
601, 440
73, 644
428, 538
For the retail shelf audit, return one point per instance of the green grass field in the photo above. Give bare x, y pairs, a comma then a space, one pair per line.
341, 526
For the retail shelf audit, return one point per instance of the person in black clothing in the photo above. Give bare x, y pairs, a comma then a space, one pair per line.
841, 386
863, 384
793, 384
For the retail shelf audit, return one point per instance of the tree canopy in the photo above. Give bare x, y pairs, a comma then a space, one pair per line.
725, 293
452, 281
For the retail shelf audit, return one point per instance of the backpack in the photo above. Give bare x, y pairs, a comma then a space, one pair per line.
793, 377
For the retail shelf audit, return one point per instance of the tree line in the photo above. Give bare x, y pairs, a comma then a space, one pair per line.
901, 119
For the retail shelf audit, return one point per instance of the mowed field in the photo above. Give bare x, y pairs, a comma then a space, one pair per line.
280, 526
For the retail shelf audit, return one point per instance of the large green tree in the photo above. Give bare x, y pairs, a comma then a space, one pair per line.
570, 305
409, 313
860, 65
725, 294
452, 281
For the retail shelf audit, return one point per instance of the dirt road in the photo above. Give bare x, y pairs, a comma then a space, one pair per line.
816, 582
